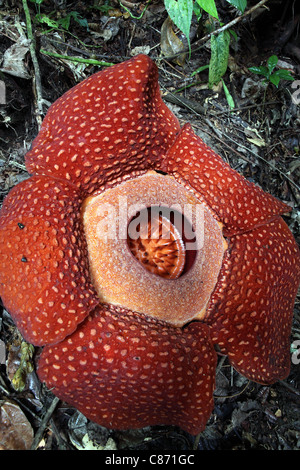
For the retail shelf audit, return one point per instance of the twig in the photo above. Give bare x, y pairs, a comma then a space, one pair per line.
221, 29
290, 387
37, 76
196, 441
248, 106
233, 22
197, 108
77, 59
263, 159
44, 422
131, 5
235, 394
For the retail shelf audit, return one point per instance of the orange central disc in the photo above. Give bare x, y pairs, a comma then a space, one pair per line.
156, 244
153, 248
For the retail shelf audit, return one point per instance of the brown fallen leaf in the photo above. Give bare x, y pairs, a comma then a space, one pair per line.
14, 60
16, 432
170, 43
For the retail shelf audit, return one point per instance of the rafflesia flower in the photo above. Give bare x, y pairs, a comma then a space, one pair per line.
134, 250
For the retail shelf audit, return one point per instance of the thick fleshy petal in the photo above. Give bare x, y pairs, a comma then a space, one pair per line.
111, 125
239, 204
124, 371
251, 310
44, 278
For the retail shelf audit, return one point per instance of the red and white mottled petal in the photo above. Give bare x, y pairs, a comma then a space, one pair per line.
239, 204
251, 310
127, 371
112, 125
44, 278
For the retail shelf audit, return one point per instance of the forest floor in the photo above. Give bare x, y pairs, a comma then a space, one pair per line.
260, 138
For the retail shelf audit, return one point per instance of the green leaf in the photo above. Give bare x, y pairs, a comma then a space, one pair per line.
281, 74
239, 4
229, 98
272, 62
65, 22
219, 57
79, 19
181, 12
197, 10
261, 70
209, 6
199, 69
233, 33
275, 79
48, 21
284, 74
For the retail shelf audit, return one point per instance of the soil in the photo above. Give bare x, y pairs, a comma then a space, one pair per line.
260, 138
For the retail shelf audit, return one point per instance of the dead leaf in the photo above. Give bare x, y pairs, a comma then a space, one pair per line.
14, 60
140, 50
243, 412
107, 29
16, 432
86, 435
253, 136
170, 43
257, 142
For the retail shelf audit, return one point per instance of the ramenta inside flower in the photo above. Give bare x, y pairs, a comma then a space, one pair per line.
156, 242
168, 275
